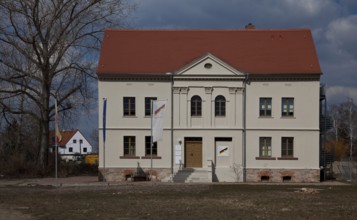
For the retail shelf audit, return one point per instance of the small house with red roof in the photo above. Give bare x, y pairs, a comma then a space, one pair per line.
72, 143
242, 105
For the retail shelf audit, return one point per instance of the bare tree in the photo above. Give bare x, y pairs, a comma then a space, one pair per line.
48, 50
344, 118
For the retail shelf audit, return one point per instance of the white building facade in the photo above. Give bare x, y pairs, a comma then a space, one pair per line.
244, 121
72, 143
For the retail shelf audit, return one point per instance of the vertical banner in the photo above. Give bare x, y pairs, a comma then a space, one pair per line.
104, 118
158, 110
57, 131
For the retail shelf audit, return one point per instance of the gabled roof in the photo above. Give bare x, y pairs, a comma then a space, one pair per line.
254, 51
66, 136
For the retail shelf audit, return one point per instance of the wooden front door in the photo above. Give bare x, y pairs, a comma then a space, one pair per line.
193, 153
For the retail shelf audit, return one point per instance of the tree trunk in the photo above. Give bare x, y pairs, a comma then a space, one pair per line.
44, 123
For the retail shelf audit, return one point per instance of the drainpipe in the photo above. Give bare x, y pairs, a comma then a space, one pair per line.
172, 121
245, 127
172, 124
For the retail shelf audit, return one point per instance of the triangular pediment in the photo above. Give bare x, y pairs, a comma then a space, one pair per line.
208, 65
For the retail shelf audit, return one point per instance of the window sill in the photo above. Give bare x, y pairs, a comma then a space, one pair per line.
196, 116
265, 117
287, 117
129, 116
265, 158
129, 157
220, 116
288, 158
149, 157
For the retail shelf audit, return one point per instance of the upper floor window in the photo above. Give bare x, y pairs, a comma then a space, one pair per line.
74, 141
265, 146
287, 147
148, 105
265, 107
84, 150
148, 148
129, 146
287, 107
129, 106
220, 106
196, 106
70, 149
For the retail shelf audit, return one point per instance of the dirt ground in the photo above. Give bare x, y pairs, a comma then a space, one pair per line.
147, 200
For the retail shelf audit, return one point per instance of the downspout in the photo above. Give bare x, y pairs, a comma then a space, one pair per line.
172, 125
245, 127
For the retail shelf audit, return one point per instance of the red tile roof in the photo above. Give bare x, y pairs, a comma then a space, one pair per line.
252, 51
66, 136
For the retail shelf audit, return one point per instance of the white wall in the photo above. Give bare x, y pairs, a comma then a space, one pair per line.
77, 147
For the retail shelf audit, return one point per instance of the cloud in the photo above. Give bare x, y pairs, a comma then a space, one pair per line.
338, 94
233, 14
342, 32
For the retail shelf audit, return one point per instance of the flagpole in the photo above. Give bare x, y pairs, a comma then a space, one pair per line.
104, 134
58, 138
56, 152
151, 142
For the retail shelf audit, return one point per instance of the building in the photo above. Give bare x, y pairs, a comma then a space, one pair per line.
73, 143
243, 105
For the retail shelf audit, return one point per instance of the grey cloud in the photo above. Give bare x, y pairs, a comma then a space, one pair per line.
333, 24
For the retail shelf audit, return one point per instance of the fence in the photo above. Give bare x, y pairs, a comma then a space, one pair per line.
345, 169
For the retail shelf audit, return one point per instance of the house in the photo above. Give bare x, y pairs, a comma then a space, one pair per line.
73, 143
243, 105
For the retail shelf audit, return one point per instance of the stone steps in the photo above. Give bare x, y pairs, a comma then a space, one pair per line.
191, 175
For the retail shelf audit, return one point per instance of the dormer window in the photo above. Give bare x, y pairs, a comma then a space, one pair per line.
208, 65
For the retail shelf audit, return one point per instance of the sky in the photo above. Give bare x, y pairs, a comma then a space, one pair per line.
333, 24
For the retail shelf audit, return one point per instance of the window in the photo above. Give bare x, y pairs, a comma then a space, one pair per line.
148, 105
287, 107
147, 147
265, 107
74, 141
80, 141
265, 146
129, 106
70, 149
287, 147
84, 150
220, 106
129, 146
196, 106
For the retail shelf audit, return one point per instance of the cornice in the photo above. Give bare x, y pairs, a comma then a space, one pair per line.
168, 78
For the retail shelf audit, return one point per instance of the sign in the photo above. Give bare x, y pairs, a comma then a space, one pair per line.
178, 154
222, 151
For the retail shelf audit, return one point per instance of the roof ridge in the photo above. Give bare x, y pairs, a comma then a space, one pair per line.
204, 30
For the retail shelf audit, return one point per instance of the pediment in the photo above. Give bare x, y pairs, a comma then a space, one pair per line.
208, 65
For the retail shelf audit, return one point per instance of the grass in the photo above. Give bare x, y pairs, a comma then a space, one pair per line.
160, 201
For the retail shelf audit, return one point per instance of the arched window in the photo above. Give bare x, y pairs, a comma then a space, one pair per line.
220, 106
196, 106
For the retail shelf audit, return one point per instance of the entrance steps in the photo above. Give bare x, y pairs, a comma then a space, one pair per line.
193, 175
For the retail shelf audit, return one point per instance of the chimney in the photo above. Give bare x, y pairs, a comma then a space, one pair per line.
250, 26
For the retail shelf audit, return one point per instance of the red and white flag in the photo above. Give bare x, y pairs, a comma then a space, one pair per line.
57, 131
158, 110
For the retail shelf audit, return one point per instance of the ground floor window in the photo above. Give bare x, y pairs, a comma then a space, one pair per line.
147, 147
265, 146
287, 147
129, 145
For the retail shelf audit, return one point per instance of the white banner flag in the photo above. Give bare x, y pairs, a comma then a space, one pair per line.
158, 110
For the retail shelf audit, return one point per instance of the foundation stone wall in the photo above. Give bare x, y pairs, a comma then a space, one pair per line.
283, 175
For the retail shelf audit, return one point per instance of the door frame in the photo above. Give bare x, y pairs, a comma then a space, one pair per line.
193, 139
